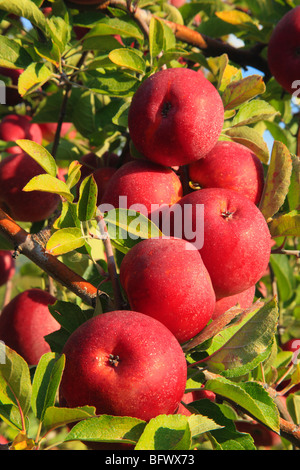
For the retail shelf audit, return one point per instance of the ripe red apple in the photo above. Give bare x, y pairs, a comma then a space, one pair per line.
24, 322
175, 117
166, 279
262, 436
124, 363
145, 184
177, 3
16, 126
49, 129
7, 266
15, 172
13, 97
230, 165
284, 50
244, 299
232, 236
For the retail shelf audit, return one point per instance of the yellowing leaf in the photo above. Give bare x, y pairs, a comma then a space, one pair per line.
241, 91
235, 17
287, 225
65, 240
22, 442
277, 181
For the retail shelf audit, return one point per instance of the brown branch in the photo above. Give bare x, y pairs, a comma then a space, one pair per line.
28, 245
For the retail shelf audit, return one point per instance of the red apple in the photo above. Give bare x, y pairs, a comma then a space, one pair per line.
24, 322
15, 172
177, 3
144, 184
283, 51
13, 97
175, 117
124, 363
262, 436
49, 129
243, 299
230, 165
15, 126
166, 279
7, 266
231, 234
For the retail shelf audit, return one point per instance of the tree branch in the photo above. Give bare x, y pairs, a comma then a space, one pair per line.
33, 250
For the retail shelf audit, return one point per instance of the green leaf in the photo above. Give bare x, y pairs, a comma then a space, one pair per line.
12, 54
113, 26
87, 202
49, 184
69, 315
251, 139
241, 91
166, 432
26, 9
107, 428
127, 227
39, 154
277, 181
60, 31
33, 78
65, 240
294, 190
253, 111
251, 396
283, 271
200, 424
249, 344
285, 225
45, 384
156, 37
49, 51
15, 386
114, 83
128, 58
56, 417
74, 174
226, 437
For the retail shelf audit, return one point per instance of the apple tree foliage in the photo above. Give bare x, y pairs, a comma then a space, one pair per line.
89, 81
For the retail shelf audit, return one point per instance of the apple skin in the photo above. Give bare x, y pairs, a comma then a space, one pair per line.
244, 299
236, 239
15, 126
24, 322
262, 436
148, 379
15, 172
283, 50
166, 279
13, 97
230, 165
143, 182
175, 117
7, 266
49, 129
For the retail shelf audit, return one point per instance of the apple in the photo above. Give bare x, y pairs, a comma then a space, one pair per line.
262, 436
13, 97
49, 129
166, 279
16, 126
7, 266
231, 234
230, 165
145, 184
177, 3
124, 363
175, 117
243, 299
283, 51
15, 172
24, 322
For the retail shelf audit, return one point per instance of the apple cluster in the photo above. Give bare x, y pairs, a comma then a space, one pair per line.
174, 287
